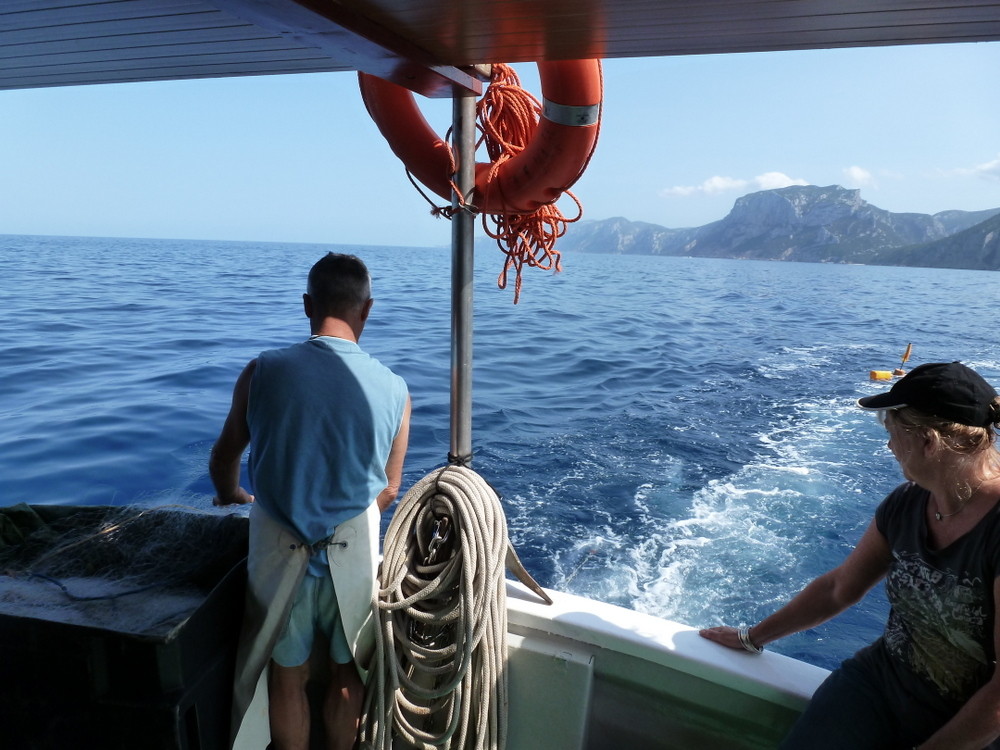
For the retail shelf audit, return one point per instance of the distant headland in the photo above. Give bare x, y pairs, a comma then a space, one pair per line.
810, 224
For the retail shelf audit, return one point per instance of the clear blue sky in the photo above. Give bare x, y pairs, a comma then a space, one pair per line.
296, 158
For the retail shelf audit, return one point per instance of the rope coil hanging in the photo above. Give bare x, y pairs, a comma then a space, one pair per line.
537, 151
439, 677
508, 117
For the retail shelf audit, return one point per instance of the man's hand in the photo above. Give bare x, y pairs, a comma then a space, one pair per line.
242, 497
224, 461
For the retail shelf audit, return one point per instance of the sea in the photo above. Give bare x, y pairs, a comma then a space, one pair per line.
677, 436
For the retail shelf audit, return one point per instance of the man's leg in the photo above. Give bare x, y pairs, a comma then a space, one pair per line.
288, 707
342, 706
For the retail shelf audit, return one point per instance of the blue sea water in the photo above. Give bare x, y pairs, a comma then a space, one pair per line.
674, 435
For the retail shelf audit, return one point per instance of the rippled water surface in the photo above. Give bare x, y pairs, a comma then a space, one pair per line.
674, 435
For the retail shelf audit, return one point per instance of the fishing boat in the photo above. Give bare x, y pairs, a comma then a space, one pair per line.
582, 674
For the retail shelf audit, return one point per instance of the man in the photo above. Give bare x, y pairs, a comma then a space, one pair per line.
327, 427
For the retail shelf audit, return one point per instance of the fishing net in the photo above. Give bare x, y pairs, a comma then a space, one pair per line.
130, 569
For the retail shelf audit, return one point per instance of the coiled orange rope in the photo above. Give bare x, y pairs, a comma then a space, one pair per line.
507, 117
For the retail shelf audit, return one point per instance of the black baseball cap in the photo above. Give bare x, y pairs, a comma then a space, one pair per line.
946, 390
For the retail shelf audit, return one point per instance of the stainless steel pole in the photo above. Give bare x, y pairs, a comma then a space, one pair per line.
462, 260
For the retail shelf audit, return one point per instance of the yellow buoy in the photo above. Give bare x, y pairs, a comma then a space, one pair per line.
880, 375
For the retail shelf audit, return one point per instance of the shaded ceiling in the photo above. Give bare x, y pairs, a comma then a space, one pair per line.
424, 44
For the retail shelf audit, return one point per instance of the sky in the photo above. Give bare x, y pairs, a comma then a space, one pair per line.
297, 159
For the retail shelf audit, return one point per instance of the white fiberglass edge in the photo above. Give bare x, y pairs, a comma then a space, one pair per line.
769, 676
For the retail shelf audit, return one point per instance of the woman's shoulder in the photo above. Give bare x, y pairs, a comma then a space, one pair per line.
903, 493
902, 502
991, 526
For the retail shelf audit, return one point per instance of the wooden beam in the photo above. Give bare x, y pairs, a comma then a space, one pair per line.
355, 41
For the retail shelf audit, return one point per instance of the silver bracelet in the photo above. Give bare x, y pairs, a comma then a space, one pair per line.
744, 634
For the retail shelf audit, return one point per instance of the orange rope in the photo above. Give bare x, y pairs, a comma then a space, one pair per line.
508, 117
529, 240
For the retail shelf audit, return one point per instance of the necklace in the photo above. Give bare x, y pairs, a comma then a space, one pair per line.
941, 516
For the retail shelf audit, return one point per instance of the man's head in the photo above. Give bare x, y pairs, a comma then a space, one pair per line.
339, 287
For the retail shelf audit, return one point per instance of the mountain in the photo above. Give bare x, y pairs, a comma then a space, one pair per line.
808, 223
976, 248
957, 221
622, 237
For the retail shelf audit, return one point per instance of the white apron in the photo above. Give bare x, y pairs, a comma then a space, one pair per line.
275, 568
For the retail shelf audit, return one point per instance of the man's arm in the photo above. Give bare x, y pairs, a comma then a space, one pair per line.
224, 463
394, 465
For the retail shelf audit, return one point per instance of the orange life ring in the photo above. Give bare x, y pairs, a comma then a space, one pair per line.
553, 160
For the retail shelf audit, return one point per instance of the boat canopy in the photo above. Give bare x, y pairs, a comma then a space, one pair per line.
429, 45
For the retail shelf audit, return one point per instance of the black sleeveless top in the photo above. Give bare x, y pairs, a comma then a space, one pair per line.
940, 628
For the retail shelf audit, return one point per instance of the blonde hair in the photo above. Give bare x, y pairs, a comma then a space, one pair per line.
959, 438
975, 446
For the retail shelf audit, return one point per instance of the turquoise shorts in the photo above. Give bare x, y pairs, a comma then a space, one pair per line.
315, 610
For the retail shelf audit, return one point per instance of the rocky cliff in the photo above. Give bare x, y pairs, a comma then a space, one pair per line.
808, 223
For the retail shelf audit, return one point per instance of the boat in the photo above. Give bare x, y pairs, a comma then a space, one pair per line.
582, 674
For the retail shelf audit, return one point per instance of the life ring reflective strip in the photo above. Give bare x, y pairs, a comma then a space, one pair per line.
553, 160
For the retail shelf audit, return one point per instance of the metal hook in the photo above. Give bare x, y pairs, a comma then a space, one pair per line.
440, 533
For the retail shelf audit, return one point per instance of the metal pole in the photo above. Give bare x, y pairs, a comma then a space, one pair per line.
462, 257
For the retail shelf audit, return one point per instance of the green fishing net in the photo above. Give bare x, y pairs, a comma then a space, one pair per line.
131, 569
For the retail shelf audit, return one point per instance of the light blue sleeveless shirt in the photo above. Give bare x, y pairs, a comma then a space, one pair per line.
322, 417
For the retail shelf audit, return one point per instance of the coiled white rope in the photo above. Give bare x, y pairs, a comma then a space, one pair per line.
438, 677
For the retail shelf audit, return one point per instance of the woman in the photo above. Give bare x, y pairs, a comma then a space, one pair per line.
929, 681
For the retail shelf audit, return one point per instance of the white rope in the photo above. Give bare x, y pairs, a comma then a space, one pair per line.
439, 674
